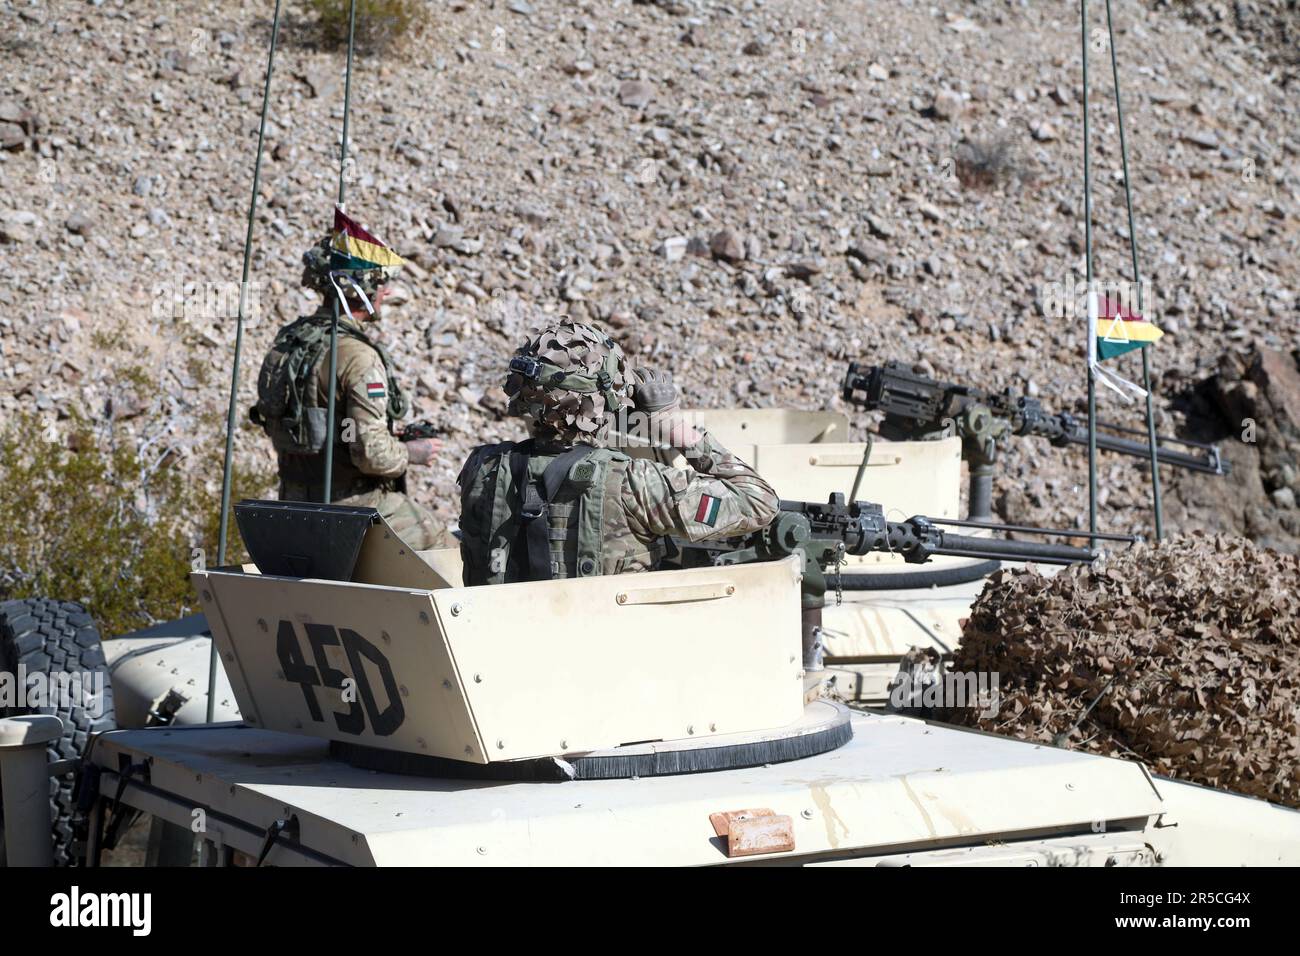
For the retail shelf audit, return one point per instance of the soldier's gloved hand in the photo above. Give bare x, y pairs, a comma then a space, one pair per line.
655, 395
420, 451
654, 391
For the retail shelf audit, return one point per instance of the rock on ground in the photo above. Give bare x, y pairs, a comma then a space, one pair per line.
848, 155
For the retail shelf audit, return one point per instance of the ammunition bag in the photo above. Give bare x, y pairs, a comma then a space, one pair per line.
301, 436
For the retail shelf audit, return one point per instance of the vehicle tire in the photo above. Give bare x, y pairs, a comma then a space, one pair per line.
51, 637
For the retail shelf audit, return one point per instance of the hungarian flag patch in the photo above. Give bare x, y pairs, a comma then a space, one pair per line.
707, 512
375, 389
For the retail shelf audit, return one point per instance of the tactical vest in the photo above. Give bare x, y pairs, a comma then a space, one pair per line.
288, 407
545, 516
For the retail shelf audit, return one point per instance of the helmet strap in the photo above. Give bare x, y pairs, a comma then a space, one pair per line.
343, 299
605, 384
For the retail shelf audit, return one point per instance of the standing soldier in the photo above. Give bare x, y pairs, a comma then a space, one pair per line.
563, 505
369, 460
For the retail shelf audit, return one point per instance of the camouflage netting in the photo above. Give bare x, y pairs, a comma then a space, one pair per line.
560, 415
1190, 651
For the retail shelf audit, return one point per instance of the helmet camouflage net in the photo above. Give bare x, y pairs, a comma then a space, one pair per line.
567, 378
316, 263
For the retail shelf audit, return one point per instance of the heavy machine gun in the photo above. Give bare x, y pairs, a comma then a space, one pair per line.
824, 534
918, 407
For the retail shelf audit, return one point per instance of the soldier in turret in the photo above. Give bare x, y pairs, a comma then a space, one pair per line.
564, 504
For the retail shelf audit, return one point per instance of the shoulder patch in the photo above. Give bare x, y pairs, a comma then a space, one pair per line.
706, 512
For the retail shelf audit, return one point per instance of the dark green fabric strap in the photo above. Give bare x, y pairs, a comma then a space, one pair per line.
552, 376
536, 496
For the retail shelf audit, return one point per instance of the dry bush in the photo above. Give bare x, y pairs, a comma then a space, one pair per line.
90, 517
987, 164
381, 25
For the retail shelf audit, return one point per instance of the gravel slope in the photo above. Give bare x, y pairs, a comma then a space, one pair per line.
751, 194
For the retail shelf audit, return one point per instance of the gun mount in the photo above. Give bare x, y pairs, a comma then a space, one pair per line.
916, 406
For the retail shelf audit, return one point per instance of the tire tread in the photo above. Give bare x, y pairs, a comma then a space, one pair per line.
44, 636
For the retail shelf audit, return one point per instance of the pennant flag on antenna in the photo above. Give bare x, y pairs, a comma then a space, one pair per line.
1120, 330
354, 249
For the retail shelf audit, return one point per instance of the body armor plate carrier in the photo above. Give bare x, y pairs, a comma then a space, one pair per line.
288, 408
542, 515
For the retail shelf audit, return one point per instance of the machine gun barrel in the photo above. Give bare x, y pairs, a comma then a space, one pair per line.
1031, 529
1040, 552
838, 527
822, 534
917, 406
1210, 464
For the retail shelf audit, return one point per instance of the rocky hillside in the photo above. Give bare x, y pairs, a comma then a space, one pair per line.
752, 194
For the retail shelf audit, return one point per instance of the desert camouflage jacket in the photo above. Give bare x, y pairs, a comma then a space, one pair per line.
364, 399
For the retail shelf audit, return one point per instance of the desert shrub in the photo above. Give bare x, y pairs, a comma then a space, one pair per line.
87, 516
381, 24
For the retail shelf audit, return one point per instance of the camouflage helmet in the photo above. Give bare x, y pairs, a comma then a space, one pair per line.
568, 378
318, 264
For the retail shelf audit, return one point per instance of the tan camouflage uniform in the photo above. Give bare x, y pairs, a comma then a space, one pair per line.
717, 496
371, 472
659, 499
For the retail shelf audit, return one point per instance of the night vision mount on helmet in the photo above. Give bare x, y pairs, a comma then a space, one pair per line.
548, 376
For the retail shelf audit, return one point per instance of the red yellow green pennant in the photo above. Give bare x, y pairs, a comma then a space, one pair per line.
1120, 330
355, 249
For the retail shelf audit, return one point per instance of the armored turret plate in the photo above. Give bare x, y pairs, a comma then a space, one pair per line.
302, 539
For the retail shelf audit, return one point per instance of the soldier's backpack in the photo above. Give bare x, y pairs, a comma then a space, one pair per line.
287, 408
542, 514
